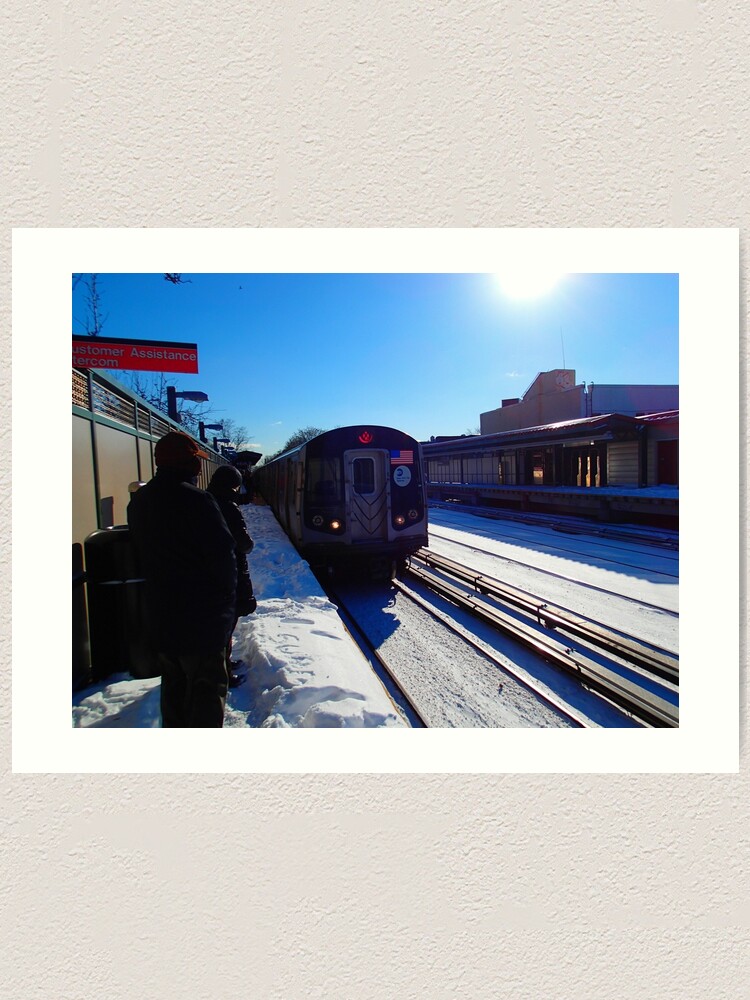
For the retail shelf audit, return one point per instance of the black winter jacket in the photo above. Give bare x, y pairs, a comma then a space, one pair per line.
186, 554
242, 540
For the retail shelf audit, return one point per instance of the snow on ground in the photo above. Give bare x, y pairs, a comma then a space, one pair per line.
549, 565
452, 684
303, 669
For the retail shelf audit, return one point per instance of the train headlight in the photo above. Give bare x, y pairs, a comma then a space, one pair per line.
317, 521
399, 520
413, 515
335, 525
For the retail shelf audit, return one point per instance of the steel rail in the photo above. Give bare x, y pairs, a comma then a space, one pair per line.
360, 638
555, 703
557, 576
657, 661
649, 708
608, 549
571, 524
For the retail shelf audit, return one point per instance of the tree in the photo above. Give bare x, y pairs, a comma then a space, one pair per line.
299, 437
151, 386
93, 320
191, 414
302, 435
236, 434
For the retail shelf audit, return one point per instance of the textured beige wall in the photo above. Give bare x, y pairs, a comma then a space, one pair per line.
420, 114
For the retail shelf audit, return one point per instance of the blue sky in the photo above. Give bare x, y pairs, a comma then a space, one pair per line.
423, 352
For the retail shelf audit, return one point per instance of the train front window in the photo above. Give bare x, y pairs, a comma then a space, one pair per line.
363, 476
323, 482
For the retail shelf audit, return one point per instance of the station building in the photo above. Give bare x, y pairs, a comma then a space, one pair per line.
607, 451
554, 396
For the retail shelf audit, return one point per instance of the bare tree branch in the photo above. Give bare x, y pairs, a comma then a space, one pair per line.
299, 437
94, 320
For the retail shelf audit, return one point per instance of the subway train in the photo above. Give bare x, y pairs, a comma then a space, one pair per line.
353, 496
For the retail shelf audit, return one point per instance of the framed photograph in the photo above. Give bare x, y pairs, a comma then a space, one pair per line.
519, 420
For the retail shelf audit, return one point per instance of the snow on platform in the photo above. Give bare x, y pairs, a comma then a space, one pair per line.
303, 668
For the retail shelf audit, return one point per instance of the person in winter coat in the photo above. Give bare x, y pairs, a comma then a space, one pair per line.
186, 555
224, 488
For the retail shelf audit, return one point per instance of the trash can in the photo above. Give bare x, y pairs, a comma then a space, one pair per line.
116, 602
81, 656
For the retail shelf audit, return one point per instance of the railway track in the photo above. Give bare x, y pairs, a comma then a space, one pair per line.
559, 706
606, 551
661, 538
415, 693
555, 575
639, 678
395, 687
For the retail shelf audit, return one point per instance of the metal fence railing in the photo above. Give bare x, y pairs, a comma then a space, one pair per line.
114, 432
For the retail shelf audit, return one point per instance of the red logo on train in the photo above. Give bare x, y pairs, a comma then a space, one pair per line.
365, 437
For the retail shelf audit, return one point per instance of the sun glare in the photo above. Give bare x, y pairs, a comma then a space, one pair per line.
526, 282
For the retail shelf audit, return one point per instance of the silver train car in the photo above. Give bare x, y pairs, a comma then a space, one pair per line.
352, 495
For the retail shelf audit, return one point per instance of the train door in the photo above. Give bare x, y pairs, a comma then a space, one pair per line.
366, 477
291, 494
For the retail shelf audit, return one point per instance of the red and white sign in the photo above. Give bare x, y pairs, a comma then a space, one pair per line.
124, 354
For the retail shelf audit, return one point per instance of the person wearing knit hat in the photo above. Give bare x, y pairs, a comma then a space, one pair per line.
224, 488
187, 558
178, 450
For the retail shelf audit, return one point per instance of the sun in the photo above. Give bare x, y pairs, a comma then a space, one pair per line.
526, 282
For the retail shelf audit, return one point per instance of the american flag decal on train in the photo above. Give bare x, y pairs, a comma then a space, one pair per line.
402, 458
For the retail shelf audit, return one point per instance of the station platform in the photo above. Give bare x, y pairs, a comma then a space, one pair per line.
656, 506
302, 668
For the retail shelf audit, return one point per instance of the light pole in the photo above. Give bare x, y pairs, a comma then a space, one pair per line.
202, 428
173, 396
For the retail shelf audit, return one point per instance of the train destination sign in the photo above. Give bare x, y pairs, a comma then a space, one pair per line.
134, 355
